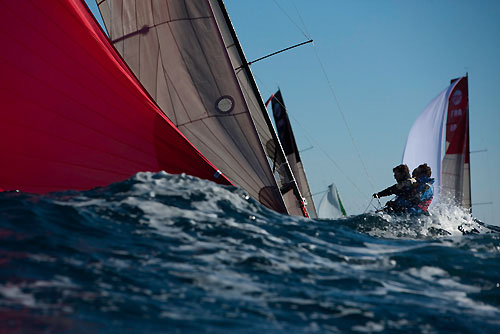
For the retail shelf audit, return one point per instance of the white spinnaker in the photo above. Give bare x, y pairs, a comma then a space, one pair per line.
425, 140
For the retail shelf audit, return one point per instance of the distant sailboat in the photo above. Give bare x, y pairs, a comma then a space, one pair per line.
188, 57
72, 114
287, 139
330, 206
450, 164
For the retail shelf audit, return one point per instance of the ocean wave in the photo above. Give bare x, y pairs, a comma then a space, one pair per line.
172, 253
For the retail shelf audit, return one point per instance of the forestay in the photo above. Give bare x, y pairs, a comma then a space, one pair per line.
177, 49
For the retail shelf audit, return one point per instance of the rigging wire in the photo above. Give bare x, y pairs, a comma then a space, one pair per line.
300, 18
306, 35
319, 192
488, 170
313, 141
332, 91
368, 206
344, 118
373, 205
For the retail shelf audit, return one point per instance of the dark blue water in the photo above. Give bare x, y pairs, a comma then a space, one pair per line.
174, 254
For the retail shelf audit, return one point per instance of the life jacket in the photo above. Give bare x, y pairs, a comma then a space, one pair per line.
426, 190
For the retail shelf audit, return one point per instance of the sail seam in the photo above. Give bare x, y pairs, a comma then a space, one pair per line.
208, 115
211, 116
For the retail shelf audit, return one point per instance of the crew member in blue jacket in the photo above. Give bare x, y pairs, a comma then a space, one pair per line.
424, 189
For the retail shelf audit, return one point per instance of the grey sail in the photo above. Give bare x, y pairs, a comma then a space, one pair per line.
273, 149
177, 50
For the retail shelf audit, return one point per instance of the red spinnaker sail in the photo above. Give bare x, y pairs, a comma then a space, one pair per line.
72, 115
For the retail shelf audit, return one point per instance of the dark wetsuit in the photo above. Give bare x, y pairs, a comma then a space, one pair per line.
406, 196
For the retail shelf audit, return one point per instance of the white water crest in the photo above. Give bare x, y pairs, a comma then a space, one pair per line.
444, 219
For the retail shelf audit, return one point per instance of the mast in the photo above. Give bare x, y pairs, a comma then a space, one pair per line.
468, 144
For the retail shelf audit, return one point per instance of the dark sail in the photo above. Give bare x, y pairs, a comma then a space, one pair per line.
283, 126
289, 144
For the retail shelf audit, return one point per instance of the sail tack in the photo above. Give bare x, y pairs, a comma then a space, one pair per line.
444, 120
183, 52
73, 116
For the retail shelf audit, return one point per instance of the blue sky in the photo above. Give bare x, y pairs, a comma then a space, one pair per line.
385, 60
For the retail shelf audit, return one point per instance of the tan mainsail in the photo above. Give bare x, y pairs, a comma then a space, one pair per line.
273, 148
177, 49
300, 177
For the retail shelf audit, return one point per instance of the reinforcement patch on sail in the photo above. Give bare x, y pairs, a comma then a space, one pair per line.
176, 49
72, 114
